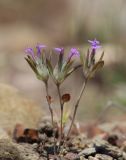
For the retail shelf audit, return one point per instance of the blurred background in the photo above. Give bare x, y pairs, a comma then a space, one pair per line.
66, 23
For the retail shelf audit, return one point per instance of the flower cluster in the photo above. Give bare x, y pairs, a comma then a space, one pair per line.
42, 65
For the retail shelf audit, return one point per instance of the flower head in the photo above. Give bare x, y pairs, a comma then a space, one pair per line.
59, 50
73, 52
94, 44
38, 63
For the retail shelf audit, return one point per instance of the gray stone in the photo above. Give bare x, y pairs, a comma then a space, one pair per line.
9, 151
27, 152
88, 151
104, 147
13, 151
103, 157
92, 158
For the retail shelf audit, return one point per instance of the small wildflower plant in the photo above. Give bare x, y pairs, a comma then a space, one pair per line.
41, 64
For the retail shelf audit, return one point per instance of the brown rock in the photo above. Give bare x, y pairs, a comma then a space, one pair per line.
18, 132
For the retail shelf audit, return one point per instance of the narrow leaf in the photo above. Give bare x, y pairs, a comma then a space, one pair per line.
87, 63
67, 66
49, 66
73, 69
102, 55
98, 66
32, 60
95, 68
82, 57
31, 65
60, 61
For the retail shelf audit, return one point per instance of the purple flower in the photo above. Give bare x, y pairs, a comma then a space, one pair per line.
30, 52
59, 50
73, 52
94, 44
39, 48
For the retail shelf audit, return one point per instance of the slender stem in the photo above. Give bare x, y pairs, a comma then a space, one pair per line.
76, 107
50, 108
51, 112
61, 106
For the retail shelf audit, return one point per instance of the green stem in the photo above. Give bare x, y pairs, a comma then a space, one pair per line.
76, 107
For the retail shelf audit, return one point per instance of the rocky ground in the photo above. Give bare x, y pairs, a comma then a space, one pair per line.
93, 142
26, 134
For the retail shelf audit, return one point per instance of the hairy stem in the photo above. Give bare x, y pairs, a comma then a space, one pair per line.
61, 107
76, 107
